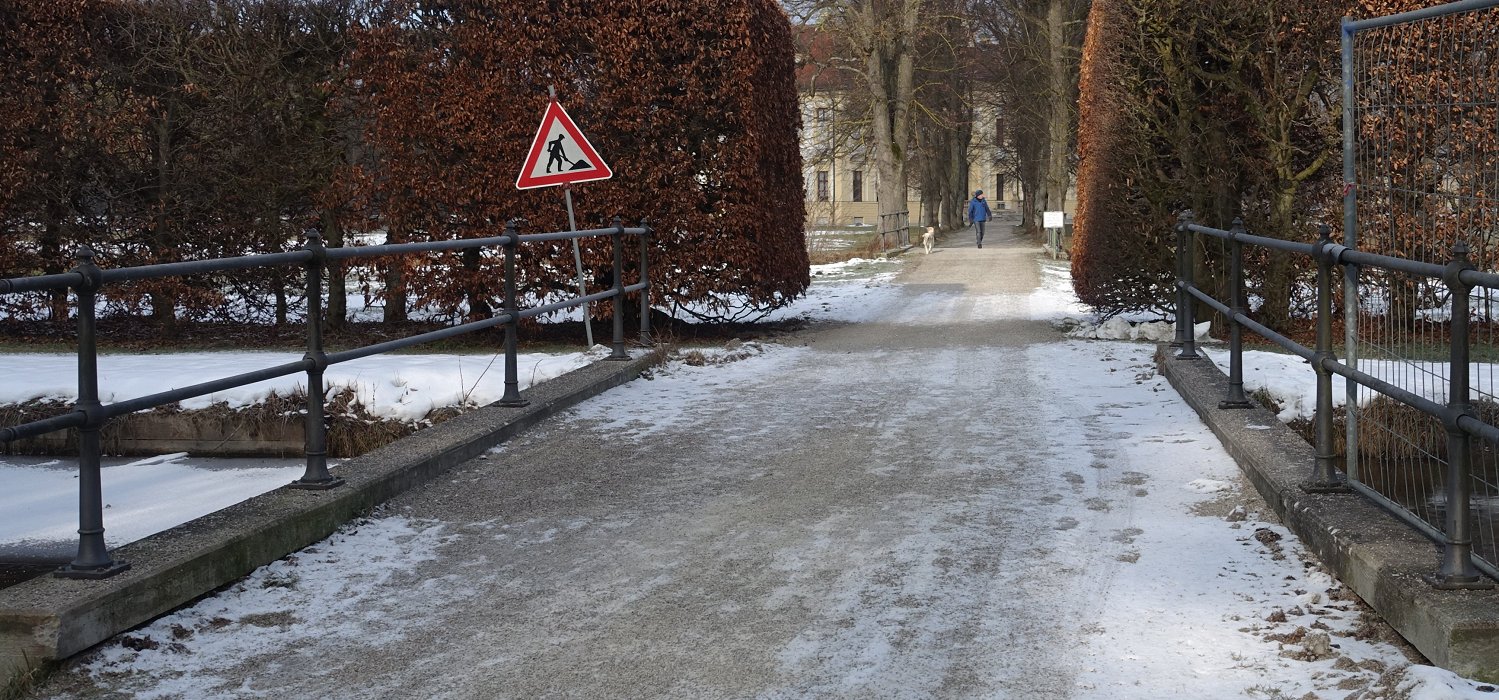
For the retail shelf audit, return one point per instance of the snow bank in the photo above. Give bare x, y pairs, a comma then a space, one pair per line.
1116, 328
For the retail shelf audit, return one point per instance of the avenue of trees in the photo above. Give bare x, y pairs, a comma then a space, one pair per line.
164, 130
919, 83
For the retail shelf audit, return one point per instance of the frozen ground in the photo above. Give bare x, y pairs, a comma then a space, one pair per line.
935, 495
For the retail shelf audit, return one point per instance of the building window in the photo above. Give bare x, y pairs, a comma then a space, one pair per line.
859, 187
999, 190
858, 221
822, 186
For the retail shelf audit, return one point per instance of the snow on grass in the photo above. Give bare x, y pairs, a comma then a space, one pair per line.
1290, 382
403, 387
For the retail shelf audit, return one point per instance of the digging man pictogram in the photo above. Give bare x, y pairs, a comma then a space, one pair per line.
555, 154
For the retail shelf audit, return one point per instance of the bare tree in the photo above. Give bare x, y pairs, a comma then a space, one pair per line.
879, 38
1033, 49
910, 99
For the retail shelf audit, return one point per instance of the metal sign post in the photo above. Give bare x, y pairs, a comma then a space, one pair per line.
569, 152
572, 225
1054, 221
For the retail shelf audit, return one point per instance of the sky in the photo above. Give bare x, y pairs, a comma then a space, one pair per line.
1269, 623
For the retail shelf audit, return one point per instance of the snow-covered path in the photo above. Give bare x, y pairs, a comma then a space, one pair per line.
956, 502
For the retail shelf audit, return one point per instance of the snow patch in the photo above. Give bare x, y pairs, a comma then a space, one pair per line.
1117, 328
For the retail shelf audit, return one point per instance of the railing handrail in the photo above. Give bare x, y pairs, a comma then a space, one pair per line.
42, 283
90, 415
1459, 567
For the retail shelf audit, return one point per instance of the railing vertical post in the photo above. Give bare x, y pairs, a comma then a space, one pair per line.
645, 279
619, 291
316, 476
1324, 477
93, 560
1457, 570
511, 396
1236, 397
1186, 327
1181, 250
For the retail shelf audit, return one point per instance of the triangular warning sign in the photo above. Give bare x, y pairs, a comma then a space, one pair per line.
560, 154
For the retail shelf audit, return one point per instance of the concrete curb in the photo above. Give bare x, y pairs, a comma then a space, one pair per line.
48, 619
1380, 558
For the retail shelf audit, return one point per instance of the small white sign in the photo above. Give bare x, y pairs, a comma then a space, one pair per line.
1052, 219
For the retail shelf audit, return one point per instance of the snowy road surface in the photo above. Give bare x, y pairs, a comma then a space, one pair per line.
945, 499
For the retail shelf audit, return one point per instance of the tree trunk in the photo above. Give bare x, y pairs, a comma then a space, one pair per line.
164, 299
281, 305
52, 256
1276, 310
1059, 105
337, 314
957, 167
478, 301
891, 70
395, 282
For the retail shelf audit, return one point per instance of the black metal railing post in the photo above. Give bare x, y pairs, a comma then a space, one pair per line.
1186, 327
1181, 247
316, 476
1457, 569
1324, 477
1236, 398
619, 291
645, 279
512, 396
93, 560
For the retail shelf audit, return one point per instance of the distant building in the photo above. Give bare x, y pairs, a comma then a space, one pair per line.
839, 172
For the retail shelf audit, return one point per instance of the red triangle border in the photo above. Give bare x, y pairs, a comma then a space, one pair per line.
538, 144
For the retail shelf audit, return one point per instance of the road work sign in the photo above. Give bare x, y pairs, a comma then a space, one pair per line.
560, 154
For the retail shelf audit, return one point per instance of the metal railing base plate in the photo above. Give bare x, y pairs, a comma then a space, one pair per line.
316, 485
1324, 487
68, 571
1443, 583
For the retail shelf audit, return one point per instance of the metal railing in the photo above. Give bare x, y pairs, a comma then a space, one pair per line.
93, 560
1459, 567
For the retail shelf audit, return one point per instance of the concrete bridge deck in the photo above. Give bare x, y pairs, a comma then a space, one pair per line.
907, 508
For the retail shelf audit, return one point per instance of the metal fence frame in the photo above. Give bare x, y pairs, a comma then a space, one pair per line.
1459, 568
93, 560
1365, 95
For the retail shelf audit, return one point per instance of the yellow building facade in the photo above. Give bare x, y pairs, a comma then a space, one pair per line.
841, 180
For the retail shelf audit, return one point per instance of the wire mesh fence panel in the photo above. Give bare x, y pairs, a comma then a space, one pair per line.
1425, 175
1484, 457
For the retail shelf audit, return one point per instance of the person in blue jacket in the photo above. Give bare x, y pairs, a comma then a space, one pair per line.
978, 213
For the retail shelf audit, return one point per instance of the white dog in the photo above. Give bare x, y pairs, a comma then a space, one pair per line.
929, 239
